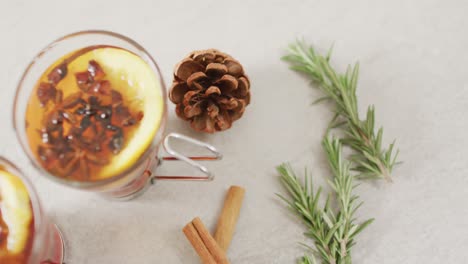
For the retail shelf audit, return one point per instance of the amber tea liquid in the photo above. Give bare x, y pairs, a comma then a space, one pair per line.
84, 118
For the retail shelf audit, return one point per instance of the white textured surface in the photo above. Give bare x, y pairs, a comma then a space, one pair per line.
413, 68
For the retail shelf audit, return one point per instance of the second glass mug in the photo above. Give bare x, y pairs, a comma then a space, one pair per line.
134, 180
47, 245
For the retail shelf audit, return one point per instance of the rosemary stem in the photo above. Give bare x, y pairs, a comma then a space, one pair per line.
384, 171
371, 160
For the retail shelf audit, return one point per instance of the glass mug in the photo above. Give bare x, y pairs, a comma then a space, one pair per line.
142, 173
47, 244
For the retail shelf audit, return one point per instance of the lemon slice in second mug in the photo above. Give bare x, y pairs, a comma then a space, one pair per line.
15, 212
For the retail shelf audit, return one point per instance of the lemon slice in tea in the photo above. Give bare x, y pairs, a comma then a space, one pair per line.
16, 212
76, 95
131, 76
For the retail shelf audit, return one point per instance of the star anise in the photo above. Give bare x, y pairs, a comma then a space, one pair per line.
80, 130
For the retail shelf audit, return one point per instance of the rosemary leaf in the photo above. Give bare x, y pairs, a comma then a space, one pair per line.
332, 228
374, 161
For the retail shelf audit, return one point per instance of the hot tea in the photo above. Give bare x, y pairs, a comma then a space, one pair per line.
93, 113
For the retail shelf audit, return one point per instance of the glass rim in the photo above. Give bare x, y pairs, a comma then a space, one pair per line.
149, 151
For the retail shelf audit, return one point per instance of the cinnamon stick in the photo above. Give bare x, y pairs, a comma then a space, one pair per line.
218, 254
197, 243
228, 219
204, 244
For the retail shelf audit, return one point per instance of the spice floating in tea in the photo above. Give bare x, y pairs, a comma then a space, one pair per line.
94, 113
81, 130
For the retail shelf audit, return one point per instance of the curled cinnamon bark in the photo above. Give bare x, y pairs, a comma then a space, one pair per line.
203, 243
230, 214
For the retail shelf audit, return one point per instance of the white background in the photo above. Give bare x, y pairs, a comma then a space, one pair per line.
413, 58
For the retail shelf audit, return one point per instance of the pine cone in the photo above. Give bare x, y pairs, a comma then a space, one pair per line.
210, 90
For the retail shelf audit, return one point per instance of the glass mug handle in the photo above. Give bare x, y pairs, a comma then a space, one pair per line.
175, 155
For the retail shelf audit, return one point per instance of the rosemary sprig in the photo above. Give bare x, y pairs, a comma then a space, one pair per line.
307, 260
332, 229
370, 159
